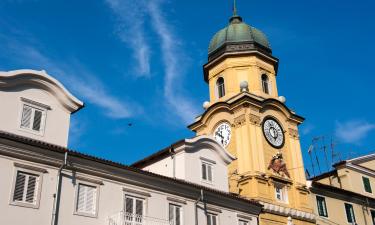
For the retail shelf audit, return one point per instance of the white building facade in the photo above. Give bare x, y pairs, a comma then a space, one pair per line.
43, 182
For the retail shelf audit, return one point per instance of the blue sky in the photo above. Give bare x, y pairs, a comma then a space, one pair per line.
140, 62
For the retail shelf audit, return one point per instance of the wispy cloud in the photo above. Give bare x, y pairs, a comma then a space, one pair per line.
307, 128
134, 16
130, 29
353, 131
74, 75
174, 62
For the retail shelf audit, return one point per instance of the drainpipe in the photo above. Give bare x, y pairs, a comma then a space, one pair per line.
201, 198
57, 195
171, 150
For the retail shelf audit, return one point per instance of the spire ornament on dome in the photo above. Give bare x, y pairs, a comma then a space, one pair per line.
235, 17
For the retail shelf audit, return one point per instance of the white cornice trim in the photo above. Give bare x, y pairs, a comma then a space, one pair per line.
205, 141
285, 211
361, 169
43, 81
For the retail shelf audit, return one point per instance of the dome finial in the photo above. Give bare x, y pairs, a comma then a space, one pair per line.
234, 8
235, 17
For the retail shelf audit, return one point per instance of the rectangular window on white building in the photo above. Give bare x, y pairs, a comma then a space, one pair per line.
207, 171
26, 188
243, 222
212, 219
86, 202
175, 214
281, 193
134, 210
33, 118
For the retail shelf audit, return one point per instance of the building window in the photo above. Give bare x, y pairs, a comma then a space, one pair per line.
265, 84
212, 219
322, 207
243, 222
86, 202
33, 118
134, 210
373, 217
207, 172
25, 189
175, 214
220, 87
349, 213
281, 193
367, 184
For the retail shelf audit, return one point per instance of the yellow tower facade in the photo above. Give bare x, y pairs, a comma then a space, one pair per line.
248, 117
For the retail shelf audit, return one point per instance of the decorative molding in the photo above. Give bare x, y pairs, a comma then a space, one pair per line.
44, 81
213, 209
293, 133
207, 160
240, 121
278, 165
90, 180
176, 200
285, 211
241, 216
28, 167
36, 103
136, 192
254, 119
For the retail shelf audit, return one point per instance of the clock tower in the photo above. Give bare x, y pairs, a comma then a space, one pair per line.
249, 118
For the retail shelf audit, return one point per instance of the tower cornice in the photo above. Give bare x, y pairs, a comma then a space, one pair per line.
245, 99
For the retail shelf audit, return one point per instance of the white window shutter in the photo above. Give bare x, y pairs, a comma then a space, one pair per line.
25, 188
37, 120
209, 168
19, 187
31, 189
81, 198
26, 116
86, 202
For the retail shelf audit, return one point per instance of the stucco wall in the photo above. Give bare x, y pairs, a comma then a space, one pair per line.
111, 200
57, 118
337, 214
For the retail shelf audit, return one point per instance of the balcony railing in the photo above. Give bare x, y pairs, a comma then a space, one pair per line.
123, 218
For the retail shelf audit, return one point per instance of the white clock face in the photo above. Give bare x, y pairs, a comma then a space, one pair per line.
273, 133
222, 134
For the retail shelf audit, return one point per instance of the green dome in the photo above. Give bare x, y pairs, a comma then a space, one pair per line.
238, 32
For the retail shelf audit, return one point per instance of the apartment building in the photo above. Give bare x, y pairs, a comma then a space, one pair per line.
44, 182
345, 195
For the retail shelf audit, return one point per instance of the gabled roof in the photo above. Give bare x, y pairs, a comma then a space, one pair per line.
44, 81
199, 141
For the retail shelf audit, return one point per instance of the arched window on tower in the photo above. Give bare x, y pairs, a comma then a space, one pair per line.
265, 84
220, 87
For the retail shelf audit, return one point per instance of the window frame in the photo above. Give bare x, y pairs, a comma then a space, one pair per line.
220, 87
243, 222
207, 164
76, 198
34, 106
266, 89
36, 172
134, 197
372, 213
210, 214
175, 205
284, 193
325, 205
352, 222
364, 186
